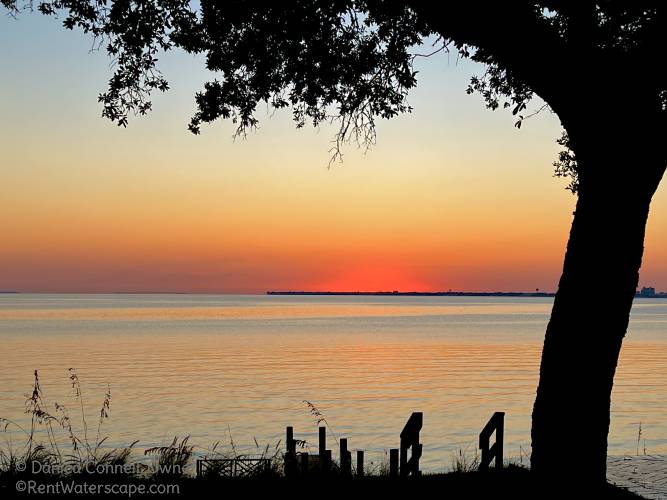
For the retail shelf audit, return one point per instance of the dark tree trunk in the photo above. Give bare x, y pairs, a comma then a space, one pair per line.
591, 310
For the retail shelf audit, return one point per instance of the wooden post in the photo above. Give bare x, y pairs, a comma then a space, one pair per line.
290, 456
495, 424
304, 463
325, 461
289, 440
500, 440
345, 459
410, 441
323, 440
360, 463
393, 462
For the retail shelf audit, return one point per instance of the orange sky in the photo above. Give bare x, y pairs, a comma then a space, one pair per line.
452, 197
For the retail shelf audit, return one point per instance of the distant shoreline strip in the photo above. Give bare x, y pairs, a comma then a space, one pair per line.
445, 294
421, 294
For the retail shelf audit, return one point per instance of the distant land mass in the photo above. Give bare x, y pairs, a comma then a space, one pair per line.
422, 294
642, 294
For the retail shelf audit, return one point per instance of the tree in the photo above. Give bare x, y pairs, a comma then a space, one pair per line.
595, 64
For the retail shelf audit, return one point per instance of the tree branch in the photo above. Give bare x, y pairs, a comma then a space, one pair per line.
515, 35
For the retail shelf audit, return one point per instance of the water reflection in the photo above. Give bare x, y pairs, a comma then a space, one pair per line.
208, 365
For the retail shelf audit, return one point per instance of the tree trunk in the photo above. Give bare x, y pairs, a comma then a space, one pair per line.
590, 314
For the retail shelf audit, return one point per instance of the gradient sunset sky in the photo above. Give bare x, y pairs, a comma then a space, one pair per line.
452, 197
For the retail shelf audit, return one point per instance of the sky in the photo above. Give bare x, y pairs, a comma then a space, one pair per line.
453, 196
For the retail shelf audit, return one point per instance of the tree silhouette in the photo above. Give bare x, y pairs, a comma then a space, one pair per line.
595, 64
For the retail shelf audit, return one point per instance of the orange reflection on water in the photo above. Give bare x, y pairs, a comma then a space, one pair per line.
270, 311
366, 362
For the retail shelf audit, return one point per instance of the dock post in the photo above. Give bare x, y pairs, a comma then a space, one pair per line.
323, 440
410, 441
304, 464
290, 456
324, 466
326, 461
393, 462
360, 463
495, 452
345, 458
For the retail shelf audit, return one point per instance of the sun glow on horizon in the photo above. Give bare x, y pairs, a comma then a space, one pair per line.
373, 277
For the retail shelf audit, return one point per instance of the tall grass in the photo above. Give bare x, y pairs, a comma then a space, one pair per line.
320, 418
640, 434
173, 459
54, 439
465, 460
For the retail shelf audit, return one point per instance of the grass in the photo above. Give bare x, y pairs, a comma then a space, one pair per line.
62, 446
171, 460
58, 446
465, 461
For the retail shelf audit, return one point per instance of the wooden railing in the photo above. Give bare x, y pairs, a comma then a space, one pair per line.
494, 452
410, 442
232, 467
403, 461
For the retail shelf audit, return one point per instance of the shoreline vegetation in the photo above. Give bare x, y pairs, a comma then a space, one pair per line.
62, 455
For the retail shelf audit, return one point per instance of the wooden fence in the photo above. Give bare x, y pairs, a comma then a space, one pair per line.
403, 461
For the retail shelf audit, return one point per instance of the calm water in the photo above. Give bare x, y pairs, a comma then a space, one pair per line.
208, 366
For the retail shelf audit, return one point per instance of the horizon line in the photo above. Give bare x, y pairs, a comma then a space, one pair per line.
262, 292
